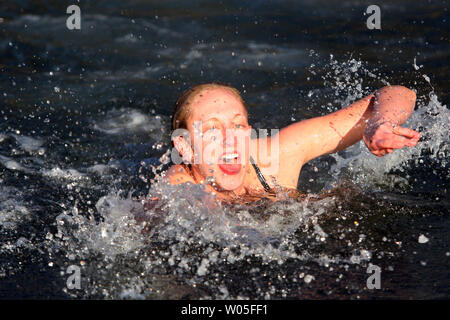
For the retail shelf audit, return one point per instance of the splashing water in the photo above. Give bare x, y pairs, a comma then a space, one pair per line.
82, 146
189, 245
367, 171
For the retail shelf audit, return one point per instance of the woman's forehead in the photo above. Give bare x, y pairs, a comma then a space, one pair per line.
216, 103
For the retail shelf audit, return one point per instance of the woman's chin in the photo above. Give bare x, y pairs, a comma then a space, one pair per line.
230, 182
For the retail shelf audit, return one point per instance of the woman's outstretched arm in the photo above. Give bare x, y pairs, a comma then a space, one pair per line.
375, 118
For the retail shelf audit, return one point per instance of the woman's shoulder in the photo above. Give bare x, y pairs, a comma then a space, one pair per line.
179, 174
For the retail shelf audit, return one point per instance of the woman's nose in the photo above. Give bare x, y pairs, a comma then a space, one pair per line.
229, 138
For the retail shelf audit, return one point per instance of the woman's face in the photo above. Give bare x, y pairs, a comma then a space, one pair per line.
220, 136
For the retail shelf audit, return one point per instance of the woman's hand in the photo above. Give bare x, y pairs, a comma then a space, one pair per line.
383, 137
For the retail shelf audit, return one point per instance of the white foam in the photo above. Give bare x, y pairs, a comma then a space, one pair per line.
13, 164
29, 144
12, 210
246, 54
67, 174
130, 121
99, 168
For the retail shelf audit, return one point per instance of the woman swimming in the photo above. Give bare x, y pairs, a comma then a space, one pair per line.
212, 134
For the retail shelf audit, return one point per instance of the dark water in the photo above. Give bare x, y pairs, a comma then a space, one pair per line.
84, 127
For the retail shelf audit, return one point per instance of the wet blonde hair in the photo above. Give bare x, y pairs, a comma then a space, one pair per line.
183, 104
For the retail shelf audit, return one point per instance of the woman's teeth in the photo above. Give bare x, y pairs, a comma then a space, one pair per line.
230, 157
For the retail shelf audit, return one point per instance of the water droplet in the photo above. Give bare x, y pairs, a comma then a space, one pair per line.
423, 239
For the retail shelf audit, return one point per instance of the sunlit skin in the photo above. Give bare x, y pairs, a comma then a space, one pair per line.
376, 119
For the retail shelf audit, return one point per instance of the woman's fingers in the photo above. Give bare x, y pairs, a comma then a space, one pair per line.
385, 142
406, 132
395, 142
379, 153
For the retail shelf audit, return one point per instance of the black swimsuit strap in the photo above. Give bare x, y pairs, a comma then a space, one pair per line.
260, 175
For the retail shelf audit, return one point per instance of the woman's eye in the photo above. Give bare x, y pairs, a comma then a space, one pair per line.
211, 129
240, 126
212, 133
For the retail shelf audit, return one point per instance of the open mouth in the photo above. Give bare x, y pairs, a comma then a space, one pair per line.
230, 163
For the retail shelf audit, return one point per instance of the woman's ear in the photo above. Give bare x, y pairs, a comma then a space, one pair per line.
184, 149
